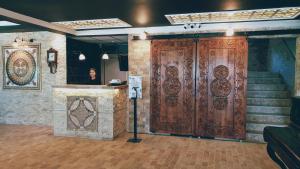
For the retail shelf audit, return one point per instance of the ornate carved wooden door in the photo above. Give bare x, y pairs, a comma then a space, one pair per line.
221, 87
173, 86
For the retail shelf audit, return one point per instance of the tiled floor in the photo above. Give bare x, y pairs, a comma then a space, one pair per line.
31, 147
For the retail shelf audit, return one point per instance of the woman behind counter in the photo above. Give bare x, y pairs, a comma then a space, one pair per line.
93, 80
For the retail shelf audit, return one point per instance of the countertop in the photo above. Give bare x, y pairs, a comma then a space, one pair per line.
91, 87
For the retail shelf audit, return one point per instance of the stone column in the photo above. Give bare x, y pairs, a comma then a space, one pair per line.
139, 64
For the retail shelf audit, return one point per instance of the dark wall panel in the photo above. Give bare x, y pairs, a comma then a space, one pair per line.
78, 71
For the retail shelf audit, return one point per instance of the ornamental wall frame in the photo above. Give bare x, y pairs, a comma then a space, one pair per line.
38, 72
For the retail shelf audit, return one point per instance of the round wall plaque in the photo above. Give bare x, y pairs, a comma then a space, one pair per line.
221, 72
220, 87
20, 67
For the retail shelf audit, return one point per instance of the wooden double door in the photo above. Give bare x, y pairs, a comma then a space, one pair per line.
198, 87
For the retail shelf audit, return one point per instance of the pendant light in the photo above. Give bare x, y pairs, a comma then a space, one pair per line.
81, 56
105, 56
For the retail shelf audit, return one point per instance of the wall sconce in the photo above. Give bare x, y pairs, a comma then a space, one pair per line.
21, 42
52, 60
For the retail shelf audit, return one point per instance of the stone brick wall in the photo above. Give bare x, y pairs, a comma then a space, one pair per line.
120, 107
29, 106
297, 71
139, 64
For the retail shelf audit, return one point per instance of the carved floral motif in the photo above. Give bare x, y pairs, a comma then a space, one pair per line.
171, 85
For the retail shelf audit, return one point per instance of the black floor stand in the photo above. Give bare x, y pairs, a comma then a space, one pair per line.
135, 139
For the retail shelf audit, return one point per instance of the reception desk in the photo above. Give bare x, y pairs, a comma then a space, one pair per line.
96, 112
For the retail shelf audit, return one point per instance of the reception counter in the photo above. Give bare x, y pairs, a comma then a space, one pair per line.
96, 112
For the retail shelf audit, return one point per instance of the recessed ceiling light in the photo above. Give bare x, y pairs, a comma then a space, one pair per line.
7, 23
94, 24
235, 16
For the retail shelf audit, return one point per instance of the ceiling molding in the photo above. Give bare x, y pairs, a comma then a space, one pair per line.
235, 16
27, 19
205, 28
94, 24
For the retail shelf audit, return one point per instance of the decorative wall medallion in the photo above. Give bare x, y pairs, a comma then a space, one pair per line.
171, 85
21, 67
220, 87
221, 72
82, 113
220, 103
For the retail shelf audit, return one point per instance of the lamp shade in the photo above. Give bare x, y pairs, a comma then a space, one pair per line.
81, 56
105, 56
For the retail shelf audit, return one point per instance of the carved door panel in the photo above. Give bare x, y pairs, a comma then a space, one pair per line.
173, 86
221, 87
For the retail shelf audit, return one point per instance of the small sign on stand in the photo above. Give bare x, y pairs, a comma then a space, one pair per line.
135, 92
135, 81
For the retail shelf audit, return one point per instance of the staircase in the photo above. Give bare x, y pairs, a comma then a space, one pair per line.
268, 104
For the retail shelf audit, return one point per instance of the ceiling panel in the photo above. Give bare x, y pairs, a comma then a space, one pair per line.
235, 16
138, 13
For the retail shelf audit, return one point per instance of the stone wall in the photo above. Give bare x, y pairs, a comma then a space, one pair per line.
258, 54
281, 59
33, 106
120, 107
139, 64
297, 71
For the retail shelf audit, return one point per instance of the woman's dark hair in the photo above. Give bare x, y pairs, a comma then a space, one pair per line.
92, 69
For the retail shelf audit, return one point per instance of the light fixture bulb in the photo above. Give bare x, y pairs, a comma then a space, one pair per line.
143, 36
81, 56
229, 32
105, 56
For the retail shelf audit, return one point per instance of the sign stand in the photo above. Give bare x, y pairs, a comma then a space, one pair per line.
135, 139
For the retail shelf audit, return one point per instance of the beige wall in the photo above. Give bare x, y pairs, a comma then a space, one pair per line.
112, 70
297, 71
139, 64
33, 106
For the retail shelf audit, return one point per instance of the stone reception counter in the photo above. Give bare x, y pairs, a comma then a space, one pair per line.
97, 112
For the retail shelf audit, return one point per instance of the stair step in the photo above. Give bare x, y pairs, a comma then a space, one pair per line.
253, 80
268, 94
268, 102
266, 87
263, 74
259, 127
255, 138
268, 110
269, 119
